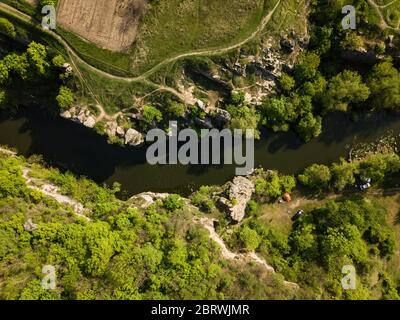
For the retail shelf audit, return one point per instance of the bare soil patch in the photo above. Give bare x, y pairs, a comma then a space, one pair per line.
110, 24
32, 2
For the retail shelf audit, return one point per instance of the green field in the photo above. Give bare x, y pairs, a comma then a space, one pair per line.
170, 28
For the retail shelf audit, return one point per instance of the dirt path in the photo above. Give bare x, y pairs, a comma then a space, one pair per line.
50, 190
53, 191
208, 224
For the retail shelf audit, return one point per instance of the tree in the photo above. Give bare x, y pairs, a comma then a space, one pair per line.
378, 165
176, 109
278, 113
384, 83
7, 28
338, 242
343, 175
151, 115
244, 117
37, 58
2, 97
249, 238
352, 42
272, 185
173, 202
12, 184
65, 98
309, 127
238, 98
316, 177
58, 61
35, 291
344, 89
203, 200
286, 82
17, 64
303, 241
321, 39
3, 73
307, 67
288, 183
315, 87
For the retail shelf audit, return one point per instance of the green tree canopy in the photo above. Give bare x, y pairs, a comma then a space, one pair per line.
151, 114
384, 83
343, 90
7, 28
316, 177
278, 113
309, 127
65, 98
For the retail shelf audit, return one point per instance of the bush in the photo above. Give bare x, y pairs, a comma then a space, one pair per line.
203, 200
65, 98
249, 238
286, 82
7, 28
316, 177
173, 203
152, 115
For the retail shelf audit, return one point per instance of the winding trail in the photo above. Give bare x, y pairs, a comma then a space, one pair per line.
49, 189
208, 224
383, 20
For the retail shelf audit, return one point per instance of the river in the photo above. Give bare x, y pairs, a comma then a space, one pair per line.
70, 146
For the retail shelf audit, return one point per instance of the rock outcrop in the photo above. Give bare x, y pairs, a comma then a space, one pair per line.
30, 226
80, 115
146, 199
133, 137
237, 195
220, 116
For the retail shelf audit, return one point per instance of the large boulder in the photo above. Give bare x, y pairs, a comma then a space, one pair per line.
30, 226
111, 128
220, 116
206, 123
90, 122
80, 115
238, 194
133, 137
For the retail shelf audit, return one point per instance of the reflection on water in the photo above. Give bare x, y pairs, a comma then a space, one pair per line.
70, 146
